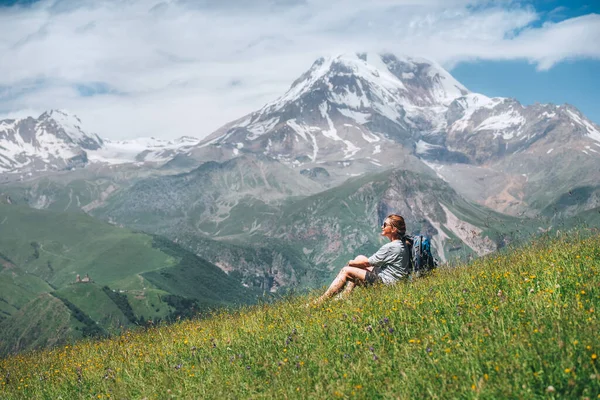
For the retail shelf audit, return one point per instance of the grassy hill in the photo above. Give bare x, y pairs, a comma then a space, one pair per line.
43, 321
135, 278
17, 288
56, 246
522, 323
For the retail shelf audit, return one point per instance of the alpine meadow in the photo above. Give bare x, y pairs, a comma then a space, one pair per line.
210, 201
521, 323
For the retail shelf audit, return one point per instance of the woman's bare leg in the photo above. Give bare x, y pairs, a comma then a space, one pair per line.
346, 275
349, 287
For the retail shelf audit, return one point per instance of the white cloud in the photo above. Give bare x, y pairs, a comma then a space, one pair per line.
174, 68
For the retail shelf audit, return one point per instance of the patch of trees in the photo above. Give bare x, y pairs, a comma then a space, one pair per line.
183, 307
121, 301
90, 329
36, 250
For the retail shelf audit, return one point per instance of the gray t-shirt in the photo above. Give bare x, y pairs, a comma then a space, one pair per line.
391, 261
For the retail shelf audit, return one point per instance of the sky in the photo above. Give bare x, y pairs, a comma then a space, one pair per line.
138, 68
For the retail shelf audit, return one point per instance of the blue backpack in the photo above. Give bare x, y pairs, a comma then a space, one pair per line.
421, 260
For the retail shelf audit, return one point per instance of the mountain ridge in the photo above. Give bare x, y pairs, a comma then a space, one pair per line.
354, 114
57, 141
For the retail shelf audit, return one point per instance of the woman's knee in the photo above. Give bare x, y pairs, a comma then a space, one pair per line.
361, 259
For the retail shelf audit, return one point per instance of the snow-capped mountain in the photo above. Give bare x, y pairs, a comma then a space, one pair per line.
346, 108
53, 141
350, 114
483, 129
363, 106
56, 141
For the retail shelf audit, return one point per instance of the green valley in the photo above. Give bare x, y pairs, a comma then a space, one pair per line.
67, 275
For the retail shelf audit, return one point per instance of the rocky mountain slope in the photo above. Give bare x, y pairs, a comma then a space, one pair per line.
346, 116
214, 198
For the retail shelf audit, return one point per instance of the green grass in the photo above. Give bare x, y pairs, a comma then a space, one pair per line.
95, 303
149, 304
519, 324
44, 321
58, 246
17, 287
42, 252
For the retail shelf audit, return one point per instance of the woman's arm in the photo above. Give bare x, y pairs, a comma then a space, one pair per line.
359, 262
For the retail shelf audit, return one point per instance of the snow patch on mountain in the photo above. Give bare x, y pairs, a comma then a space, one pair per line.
54, 140
506, 124
423, 147
443, 88
71, 124
471, 103
369, 137
262, 127
350, 99
319, 69
592, 132
148, 149
332, 133
361, 118
304, 131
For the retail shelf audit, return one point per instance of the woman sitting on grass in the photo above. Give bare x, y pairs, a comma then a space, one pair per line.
388, 265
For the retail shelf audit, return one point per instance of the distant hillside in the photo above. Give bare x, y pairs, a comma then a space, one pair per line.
134, 278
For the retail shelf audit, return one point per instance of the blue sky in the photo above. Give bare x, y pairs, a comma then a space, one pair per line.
573, 81
168, 68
